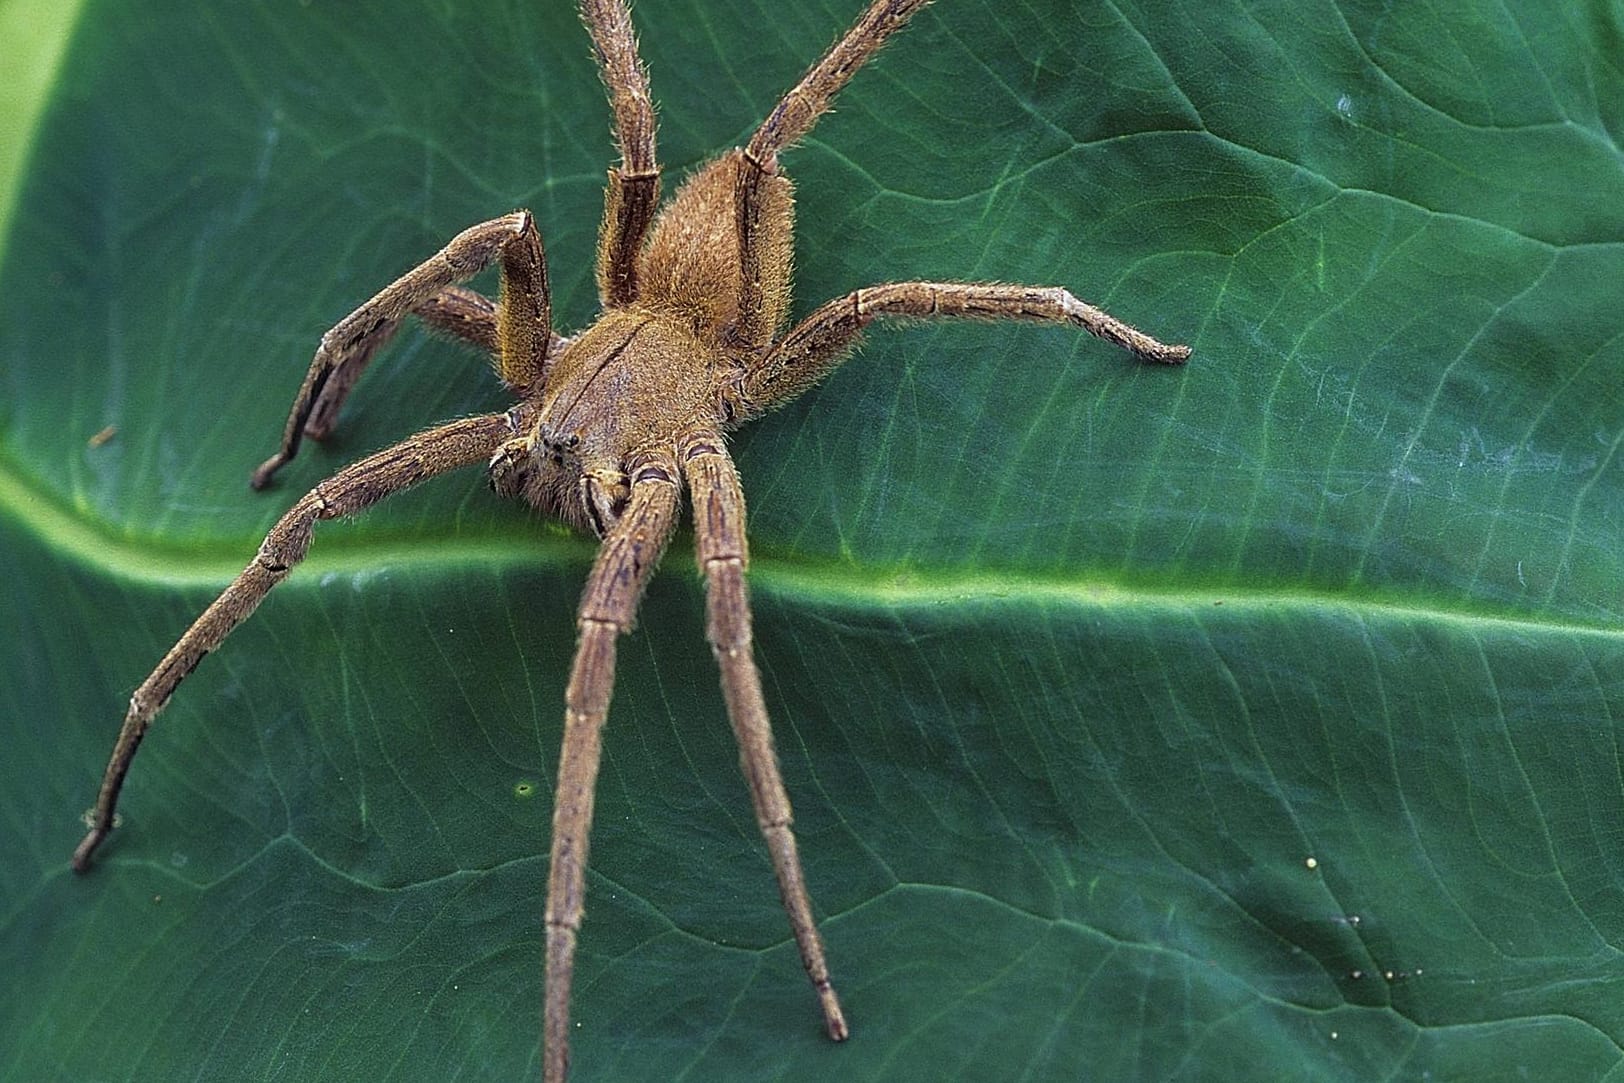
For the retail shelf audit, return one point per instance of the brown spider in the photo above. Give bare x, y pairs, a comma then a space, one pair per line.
611, 424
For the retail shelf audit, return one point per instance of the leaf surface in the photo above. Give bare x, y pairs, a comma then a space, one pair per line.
1257, 719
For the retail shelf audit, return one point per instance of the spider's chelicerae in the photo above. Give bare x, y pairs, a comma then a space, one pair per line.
612, 424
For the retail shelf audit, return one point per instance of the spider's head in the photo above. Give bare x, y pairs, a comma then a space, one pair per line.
549, 474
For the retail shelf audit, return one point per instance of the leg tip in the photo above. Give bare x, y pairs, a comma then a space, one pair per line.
1161, 353
834, 1020
264, 472
87, 847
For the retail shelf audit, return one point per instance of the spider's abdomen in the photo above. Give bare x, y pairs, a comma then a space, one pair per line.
690, 267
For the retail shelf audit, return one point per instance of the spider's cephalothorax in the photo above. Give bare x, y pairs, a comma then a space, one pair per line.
666, 360
612, 424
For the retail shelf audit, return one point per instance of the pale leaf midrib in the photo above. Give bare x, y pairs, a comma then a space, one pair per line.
822, 582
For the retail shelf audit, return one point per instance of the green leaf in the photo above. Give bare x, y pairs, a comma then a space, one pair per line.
1259, 719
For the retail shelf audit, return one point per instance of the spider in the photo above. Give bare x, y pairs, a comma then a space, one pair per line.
611, 425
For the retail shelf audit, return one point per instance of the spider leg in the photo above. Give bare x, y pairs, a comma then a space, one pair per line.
461, 313
469, 316
789, 121
522, 324
723, 555
818, 344
461, 443
810, 98
634, 185
624, 564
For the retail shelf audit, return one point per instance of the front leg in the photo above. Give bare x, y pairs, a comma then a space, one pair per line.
631, 549
719, 541
522, 333
818, 344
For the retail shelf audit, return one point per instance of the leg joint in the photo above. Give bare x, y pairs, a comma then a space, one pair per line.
586, 624
652, 472
652, 466
697, 446
752, 156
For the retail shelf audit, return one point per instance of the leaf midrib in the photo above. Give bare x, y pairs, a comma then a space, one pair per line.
822, 581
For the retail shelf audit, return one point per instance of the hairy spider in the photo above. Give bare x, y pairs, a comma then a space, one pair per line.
612, 424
